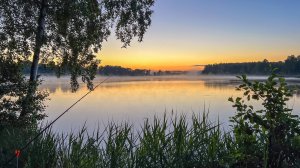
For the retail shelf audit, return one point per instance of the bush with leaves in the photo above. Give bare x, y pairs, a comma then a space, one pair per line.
14, 89
268, 137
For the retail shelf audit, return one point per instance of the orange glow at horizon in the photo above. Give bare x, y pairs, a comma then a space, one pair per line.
140, 57
183, 65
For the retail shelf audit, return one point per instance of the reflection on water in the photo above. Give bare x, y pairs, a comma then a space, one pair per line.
134, 99
295, 88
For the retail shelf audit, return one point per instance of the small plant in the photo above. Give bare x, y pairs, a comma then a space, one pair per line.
266, 137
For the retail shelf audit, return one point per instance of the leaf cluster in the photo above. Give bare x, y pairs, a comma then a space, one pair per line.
74, 30
14, 89
274, 125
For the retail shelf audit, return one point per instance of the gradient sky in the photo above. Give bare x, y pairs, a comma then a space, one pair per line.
188, 32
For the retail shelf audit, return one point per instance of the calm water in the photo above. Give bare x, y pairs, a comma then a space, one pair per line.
133, 99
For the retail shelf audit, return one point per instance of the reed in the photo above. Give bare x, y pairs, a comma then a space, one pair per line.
167, 142
174, 141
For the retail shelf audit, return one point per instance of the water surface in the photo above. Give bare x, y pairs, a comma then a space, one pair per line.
133, 99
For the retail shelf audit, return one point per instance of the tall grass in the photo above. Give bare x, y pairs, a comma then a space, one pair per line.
167, 142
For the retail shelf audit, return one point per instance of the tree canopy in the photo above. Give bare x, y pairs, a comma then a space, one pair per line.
69, 32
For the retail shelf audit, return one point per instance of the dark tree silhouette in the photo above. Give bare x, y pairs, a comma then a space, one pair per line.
121, 71
291, 66
68, 33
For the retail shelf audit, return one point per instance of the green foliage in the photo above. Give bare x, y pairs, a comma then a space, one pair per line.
163, 143
14, 89
268, 136
69, 32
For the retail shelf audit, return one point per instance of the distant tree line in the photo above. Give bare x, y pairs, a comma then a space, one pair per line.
121, 71
51, 68
44, 68
160, 73
290, 66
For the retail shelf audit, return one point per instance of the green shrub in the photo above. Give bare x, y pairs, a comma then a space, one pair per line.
264, 137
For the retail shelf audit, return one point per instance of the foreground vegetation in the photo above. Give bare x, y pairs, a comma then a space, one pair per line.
164, 143
267, 137
161, 143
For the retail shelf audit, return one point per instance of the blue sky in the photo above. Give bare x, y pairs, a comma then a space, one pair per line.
186, 32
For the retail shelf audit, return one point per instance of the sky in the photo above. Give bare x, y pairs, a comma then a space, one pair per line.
185, 33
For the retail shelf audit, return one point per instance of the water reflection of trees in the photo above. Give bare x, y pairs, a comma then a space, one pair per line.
221, 84
230, 84
53, 87
295, 88
64, 86
297, 92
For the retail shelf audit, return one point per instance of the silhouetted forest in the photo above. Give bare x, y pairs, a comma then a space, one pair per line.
291, 66
160, 73
121, 71
106, 70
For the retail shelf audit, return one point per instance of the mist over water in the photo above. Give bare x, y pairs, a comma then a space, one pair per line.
134, 99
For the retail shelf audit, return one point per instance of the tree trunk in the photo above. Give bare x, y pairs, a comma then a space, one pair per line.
39, 40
